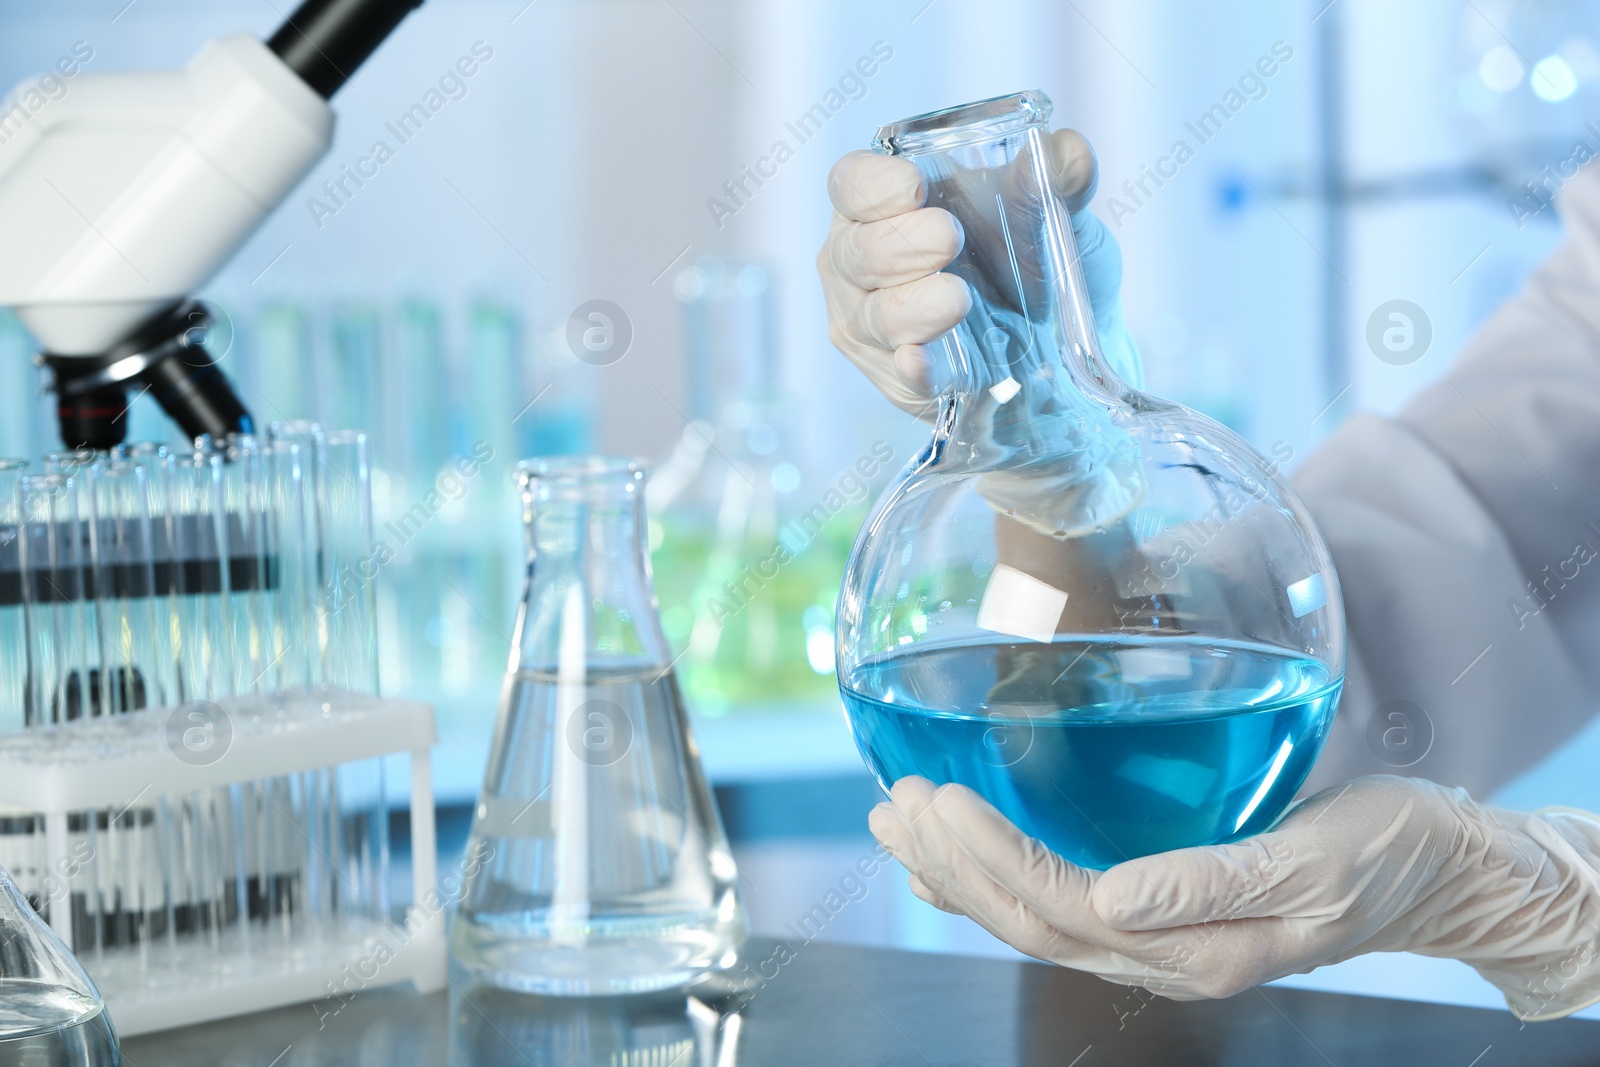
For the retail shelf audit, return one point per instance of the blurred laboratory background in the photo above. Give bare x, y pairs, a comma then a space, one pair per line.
603, 238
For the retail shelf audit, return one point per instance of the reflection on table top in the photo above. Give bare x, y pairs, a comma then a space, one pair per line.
817, 1004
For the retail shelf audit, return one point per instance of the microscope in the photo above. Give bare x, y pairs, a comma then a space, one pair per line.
127, 192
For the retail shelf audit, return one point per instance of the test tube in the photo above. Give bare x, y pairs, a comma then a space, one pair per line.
350, 652
138, 672
155, 462
295, 459
62, 639
203, 867
163, 877
339, 502
291, 535
13, 631
137, 667
278, 823
249, 565
299, 449
337, 485
351, 657
87, 686
349, 381
198, 550
19, 844
85, 468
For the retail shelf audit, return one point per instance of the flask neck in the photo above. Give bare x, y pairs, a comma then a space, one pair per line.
1027, 399
729, 335
589, 602
1024, 366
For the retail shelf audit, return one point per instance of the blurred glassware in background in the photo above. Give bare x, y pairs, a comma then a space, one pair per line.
747, 565
51, 1015
1203, 376
1105, 613
1529, 81
448, 385
609, 871
457, 388
745, 576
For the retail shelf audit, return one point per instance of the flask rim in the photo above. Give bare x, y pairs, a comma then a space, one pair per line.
951, 127
581, 469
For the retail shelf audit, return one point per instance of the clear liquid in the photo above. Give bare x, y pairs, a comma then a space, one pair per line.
43, 1026
1103, 751
606, 869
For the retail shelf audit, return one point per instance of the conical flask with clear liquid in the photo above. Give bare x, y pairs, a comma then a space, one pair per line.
1105, 613
51, 1015
598, 862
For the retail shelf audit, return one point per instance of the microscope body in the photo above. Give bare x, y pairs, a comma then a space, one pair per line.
126, 193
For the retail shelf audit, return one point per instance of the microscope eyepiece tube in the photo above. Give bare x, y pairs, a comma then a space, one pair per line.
324, 41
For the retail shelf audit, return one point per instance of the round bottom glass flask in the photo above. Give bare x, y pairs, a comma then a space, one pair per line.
1105, 613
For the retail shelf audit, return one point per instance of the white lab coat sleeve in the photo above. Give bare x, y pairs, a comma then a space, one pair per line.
1466, 533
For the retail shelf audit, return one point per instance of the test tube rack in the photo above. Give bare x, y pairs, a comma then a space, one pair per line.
119, 762
192, 752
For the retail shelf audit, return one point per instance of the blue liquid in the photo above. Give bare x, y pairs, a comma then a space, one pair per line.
1103, 751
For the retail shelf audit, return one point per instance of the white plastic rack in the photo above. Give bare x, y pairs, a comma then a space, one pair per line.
239, 786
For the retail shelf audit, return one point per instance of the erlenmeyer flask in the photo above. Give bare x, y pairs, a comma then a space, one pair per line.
51, 1015
747, 579
1105, 613
602, 863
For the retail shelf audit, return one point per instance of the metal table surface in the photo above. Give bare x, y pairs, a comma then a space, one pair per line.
830, 1005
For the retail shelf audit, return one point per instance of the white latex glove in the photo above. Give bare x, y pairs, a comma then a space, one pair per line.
1379, 864
881, 267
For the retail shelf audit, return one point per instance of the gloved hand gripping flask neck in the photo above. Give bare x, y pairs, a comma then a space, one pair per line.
1021, 380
